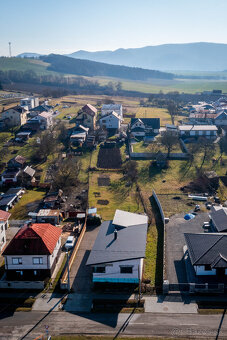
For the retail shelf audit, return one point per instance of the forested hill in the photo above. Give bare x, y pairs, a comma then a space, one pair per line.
59, 63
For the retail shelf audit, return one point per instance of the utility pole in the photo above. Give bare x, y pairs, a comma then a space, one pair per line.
10, 52
139, 283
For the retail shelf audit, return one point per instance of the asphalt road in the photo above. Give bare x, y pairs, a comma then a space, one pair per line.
28, 326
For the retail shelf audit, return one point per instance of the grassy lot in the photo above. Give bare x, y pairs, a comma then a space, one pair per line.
152, 147
27, 203
118, 195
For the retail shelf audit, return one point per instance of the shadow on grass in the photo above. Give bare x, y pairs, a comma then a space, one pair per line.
160, 230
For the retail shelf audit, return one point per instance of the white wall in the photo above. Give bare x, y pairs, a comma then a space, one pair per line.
26, 262
110, 122
2, 235
113, 270
55, 252
199, 270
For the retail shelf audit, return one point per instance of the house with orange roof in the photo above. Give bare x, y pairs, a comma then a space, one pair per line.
33, 252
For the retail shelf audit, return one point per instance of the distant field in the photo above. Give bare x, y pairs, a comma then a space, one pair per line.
150, 86
20, 64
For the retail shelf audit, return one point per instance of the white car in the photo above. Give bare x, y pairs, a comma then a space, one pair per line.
69, 242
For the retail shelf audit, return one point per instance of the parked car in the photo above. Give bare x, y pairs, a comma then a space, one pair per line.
69, 242
206, 225
197, 207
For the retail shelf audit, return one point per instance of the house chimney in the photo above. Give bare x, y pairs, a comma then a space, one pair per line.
115, 234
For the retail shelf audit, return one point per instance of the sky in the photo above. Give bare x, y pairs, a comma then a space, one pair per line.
66, 26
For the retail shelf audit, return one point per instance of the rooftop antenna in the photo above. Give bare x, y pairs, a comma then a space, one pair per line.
10, 54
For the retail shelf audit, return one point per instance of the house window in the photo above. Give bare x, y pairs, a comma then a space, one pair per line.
126, 270
3, 240
207, 267
17, 260
99, 269
37, 260
104, 121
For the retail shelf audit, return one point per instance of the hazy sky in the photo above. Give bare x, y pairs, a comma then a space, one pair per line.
64, 26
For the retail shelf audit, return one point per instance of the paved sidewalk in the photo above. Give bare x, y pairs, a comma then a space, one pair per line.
169, 304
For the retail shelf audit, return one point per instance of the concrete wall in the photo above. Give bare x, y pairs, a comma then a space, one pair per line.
3, 227
113, 273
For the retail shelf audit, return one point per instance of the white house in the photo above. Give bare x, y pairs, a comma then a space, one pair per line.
110, 121
118, 253
29, 102
33, 252
208, 254
141, 127
14, 116
208, 131
4, 223
108, 108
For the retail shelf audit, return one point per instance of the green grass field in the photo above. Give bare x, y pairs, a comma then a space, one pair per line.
22, 64
27, 203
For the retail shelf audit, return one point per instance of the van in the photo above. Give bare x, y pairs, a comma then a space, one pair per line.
69, 242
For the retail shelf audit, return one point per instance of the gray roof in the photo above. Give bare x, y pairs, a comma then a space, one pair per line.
219, 218
127, 219
29, 171
207, 249
130, 244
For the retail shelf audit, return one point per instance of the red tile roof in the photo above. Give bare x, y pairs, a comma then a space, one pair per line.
37, 239
4, 215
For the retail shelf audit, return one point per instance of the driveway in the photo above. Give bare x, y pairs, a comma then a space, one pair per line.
175, 229
80, 274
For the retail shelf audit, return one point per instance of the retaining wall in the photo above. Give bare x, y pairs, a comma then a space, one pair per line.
39, 285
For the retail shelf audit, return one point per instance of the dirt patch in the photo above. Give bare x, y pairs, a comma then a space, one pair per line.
103, 202
103, 181
109, 158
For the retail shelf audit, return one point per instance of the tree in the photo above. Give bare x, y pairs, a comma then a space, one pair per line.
130, 171
45, 144
206, 147
65, 175
168, 141
173, 111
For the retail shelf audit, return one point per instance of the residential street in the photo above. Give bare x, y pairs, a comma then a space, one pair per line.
29, 325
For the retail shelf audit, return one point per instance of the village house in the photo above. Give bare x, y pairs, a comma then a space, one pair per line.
208, 131
15, 116
39, 109
17, 162
10, 176
79, 135
45, 120
87, 116
110, 121
119, 250
141, 127
33, 252
208, 254
4, 223
108, 108
201, 118
221, 119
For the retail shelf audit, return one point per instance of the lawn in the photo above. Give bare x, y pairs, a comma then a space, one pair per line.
28, 202
153, 147
117, 194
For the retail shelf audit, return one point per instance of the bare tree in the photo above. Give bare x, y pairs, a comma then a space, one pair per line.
45, 144
173, 111
168, 141
130, 171
207, 148
65, 174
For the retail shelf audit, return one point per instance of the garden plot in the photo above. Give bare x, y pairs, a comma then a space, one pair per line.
109, 158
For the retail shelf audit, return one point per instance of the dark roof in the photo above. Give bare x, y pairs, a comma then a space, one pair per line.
207, 249
13, 191
41, 108
130, 244
219, 217
16, 108
6, 200
37, 239
148, 122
